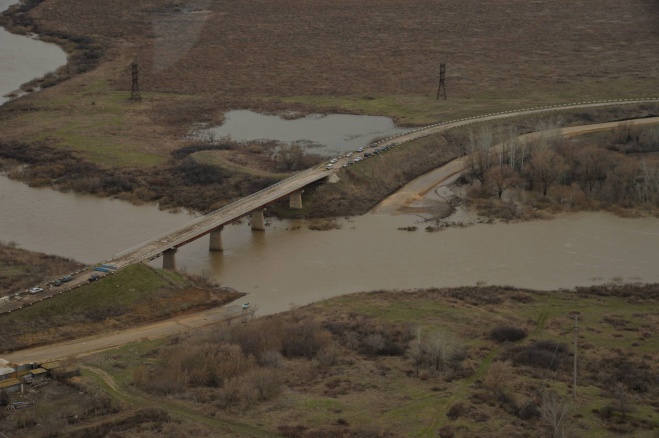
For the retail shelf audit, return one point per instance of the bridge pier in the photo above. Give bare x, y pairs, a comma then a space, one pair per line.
295, 200
258, 223
215, 243
169, 259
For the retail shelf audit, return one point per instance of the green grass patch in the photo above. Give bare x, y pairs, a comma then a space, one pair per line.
132, 285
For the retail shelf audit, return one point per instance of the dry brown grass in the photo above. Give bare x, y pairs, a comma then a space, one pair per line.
333, 54
338, 365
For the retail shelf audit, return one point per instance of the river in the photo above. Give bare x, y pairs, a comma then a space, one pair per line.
24, 58
289, 264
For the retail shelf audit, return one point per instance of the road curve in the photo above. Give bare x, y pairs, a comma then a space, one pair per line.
446, 174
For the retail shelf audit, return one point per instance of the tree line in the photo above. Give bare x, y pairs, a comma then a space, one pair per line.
618, 169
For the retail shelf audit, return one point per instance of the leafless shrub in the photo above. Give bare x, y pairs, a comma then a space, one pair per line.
304, 339
498, 375
272, 359
507, 334
456, 411
542, 354
327, 356
554, 414
267, 383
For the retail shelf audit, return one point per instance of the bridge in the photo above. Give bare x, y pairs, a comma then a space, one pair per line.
212, 223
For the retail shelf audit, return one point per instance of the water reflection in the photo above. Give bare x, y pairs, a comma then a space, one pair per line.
335, 132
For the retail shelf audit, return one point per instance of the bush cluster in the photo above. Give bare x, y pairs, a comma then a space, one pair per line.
542, 354
507, 333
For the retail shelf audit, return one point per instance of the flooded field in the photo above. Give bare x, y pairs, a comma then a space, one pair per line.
326, 134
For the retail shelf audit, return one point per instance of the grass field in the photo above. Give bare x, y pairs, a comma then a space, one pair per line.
346, 56
486, 391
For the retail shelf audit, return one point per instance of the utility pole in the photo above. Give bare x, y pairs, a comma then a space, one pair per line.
135, 87
574, 382
442, 81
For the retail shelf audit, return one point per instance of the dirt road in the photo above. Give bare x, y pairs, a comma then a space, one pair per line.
93, 344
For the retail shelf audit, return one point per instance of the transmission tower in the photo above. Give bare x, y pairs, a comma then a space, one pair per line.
135, 88
442, 81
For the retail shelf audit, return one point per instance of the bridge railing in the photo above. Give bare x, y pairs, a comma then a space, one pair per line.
219, 211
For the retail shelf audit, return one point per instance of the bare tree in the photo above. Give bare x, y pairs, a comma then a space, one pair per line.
290, 156
546, 167
647, 182
501, 178
479, 158
498, 375
440, 348
622, 401
415, 352
553, 412
592, 166
513, 148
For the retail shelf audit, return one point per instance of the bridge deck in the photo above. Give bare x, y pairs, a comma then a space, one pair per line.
201, 226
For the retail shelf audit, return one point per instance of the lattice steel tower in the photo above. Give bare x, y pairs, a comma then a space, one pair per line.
135, 88
442, 81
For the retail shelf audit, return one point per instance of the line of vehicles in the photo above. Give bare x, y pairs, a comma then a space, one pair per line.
108, 269
376, 151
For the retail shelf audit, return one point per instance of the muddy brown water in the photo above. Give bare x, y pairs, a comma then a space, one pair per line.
289, 264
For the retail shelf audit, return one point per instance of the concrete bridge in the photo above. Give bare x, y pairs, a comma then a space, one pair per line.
212, 223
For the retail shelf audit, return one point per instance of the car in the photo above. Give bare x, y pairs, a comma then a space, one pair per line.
329, 167
35, 290
57, 283
373, 145
360, 150
94, 277
66, 278
349, 154
333, 160
368, 154
245, 306
358, 159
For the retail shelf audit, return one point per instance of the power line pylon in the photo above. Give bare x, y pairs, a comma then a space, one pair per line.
442, 81
135, 88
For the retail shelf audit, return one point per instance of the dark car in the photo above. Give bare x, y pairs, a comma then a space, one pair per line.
94, 277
